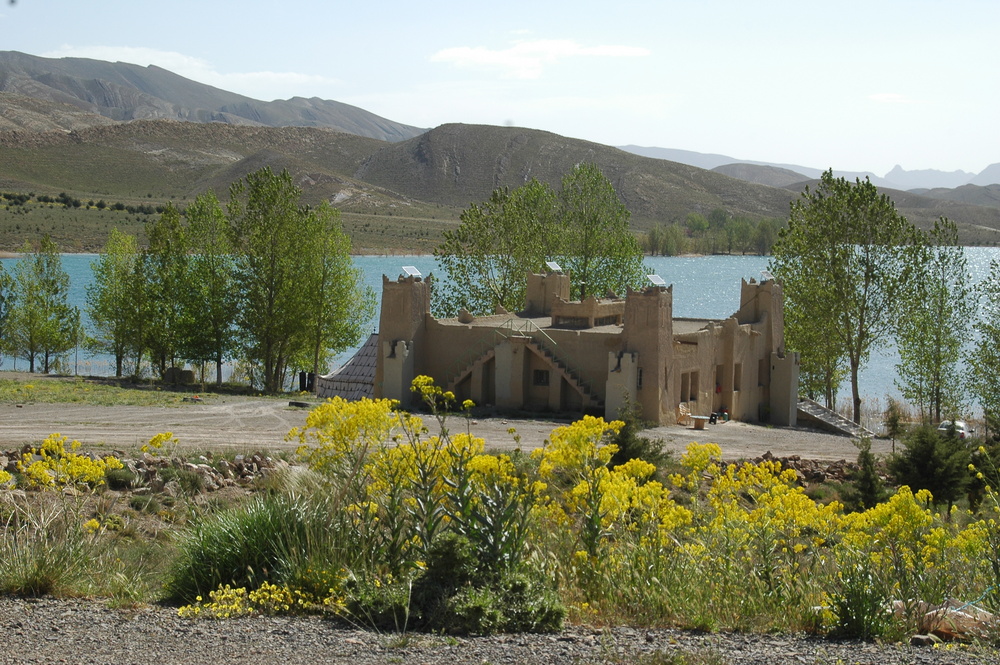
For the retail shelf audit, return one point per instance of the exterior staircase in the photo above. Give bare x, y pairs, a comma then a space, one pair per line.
813, 414
591, 400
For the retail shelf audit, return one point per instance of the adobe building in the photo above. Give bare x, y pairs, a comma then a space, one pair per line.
593, 356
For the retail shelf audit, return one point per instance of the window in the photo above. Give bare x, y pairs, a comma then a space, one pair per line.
638, 378
540, 377
694, 387
737, 376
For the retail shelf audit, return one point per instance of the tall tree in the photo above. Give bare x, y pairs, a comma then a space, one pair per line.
209, 301
167, 279
844, 261
41, 322
497, 243
111, 301
596, 245
985, 357
938, 309
339, 303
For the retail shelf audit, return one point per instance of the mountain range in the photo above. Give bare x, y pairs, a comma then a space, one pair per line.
898, 178
120, 131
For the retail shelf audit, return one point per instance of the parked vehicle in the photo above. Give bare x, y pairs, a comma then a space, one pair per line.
959, 428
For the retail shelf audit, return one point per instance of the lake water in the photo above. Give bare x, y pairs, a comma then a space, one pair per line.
704, 287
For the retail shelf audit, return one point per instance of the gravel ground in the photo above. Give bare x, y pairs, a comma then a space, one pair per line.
81, 631
254, 424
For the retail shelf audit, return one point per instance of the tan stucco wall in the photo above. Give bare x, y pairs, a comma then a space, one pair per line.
641, 361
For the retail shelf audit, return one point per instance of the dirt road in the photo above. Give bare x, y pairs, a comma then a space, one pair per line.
255, 424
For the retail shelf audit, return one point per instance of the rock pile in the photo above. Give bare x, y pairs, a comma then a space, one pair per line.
156, 474
812, 471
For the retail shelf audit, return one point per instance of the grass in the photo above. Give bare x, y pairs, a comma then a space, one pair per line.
77, 390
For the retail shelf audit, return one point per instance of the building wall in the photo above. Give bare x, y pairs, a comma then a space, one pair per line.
730, 364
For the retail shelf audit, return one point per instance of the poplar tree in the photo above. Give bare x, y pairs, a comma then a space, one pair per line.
210, 299
497, 243
111, 299
41, 322
844, 262
339, 303
936, 319
595, 243
985, 358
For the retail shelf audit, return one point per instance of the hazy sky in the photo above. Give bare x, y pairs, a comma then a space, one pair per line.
852, 85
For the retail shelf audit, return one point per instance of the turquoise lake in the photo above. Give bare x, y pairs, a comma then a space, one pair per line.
704, 287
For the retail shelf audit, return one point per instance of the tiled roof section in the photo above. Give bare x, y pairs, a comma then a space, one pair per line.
356, 378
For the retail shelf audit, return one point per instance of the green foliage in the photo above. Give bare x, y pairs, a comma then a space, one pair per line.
167, 281
496, 245
844, 261
209, 301
860, 599
936, 319
247, 546
633, 446
585, 228
115, 300
40, 323
866, 487
595, 244
985, 358
457, 594
932, 462
285, 256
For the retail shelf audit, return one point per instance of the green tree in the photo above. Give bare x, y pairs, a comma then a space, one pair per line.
985, 358
844, 260
339, 302
937, 313
932, 462
209, 299
497, 243
41, 322
596, 246
111, 301
866, 488
270, 262
167, 281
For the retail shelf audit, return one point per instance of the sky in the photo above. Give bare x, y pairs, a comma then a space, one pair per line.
859, 86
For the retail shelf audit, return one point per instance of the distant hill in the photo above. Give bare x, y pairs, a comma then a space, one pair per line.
771, 176
122, 92
970, 194
139, 136
898, 178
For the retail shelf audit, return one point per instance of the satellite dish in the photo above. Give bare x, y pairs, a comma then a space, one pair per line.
656, 280
411, 271
553, 266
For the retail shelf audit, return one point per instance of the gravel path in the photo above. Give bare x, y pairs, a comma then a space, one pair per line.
254, 424
81, 631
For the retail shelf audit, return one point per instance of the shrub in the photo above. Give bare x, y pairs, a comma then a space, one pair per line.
247, 546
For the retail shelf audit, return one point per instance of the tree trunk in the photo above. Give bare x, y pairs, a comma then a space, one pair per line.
855, 392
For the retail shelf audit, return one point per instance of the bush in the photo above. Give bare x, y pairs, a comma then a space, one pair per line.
248, 546
119, 479
939, 464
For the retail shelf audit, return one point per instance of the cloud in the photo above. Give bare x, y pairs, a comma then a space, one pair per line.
527, 59
264, 85
891, 98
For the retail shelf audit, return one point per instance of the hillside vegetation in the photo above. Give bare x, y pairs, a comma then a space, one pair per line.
394, 197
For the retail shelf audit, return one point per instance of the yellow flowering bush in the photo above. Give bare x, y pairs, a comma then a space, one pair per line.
5, 477
51, 465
